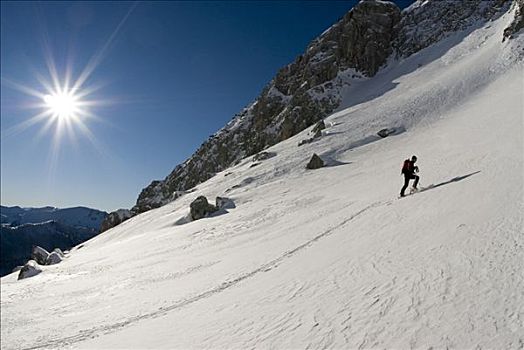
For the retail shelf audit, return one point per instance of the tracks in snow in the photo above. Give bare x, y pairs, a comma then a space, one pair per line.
97, 331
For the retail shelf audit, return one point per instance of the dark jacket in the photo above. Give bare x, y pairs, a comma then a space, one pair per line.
409, 167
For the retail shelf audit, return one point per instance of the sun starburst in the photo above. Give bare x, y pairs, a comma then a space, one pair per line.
60, 107
62, 103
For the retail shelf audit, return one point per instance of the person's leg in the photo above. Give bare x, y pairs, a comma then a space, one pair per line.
416, 177
406, 183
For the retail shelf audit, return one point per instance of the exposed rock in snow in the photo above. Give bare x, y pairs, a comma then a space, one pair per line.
518, 22
317, 129
305, 141
263, 156
427, 22
116, 218
59, 252
53, 258
47, 227
200, 208
30, 269
386, 132
315, 162
350, 52
301, 94
40, 255
224, 203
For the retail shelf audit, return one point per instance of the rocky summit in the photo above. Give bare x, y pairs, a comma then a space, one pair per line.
310, 88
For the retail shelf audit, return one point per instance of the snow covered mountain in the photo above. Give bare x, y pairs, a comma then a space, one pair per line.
329, 258
48, 227
314, 85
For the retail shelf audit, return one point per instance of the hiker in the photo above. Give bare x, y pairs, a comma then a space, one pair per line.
408, 170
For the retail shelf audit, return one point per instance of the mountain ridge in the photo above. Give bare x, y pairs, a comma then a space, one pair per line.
311, 87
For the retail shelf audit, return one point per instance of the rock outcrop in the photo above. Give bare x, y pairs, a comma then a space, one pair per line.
263, 156
43, 257
224, 203
518, 22
317, 129
30, 269
59, 252
315, 162
426, 22
200, 208
115, 218
301, 94
53, 258
386, 132
40, 255
47, 227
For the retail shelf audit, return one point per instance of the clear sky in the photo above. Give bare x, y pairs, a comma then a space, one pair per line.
164, 76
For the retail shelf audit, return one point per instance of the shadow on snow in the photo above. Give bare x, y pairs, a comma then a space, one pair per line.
455, 179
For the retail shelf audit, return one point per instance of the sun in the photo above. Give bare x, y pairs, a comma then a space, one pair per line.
64, 105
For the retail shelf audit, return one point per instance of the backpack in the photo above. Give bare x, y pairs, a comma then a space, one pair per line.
405, 167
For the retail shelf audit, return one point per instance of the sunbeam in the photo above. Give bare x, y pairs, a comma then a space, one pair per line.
64, 105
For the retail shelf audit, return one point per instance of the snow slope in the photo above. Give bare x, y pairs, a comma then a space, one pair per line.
330, 257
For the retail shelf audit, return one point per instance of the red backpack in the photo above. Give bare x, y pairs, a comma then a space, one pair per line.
406, 166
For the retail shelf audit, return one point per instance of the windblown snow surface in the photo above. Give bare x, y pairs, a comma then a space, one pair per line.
328, 258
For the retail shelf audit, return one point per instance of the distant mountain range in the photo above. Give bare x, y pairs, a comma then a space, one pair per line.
47, 227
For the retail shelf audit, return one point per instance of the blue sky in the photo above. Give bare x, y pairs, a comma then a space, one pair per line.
169, 74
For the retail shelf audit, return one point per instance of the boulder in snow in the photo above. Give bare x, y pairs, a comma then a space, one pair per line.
306, 141
39, 255
224, 203
200, 208
263, 156
53, 258
315, 162
386, 132
30, 269
59, 252
115, 218
317, 129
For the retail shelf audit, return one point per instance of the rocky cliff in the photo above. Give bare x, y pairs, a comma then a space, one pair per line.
310, 88
302, 93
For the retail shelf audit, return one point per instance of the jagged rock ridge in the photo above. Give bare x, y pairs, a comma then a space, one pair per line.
302, 93
427, 22
310, 88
